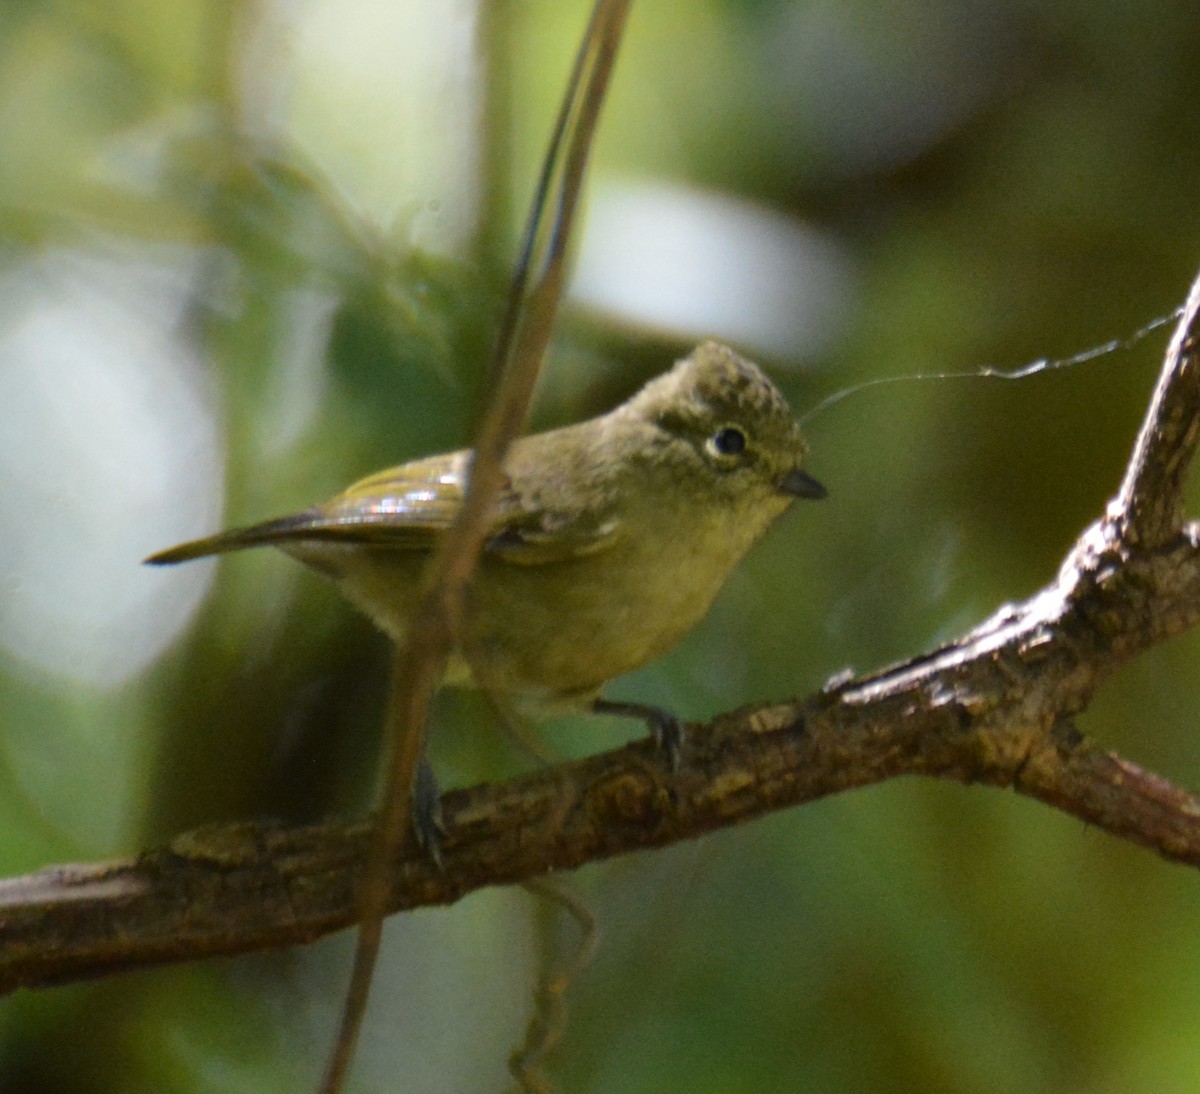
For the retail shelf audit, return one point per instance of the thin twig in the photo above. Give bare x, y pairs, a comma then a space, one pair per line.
548, 1022
521, 345
1149, 507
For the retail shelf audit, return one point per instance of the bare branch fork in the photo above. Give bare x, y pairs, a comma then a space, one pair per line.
994, 706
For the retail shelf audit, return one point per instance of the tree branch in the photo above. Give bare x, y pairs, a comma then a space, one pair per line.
995, 706
1149, 505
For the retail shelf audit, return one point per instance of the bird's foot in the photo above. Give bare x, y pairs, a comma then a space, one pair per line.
427, 813
666, 730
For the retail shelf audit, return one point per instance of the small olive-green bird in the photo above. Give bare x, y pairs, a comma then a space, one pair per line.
609, 540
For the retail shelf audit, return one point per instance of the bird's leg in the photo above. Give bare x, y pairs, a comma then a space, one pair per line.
427, 811
664, 727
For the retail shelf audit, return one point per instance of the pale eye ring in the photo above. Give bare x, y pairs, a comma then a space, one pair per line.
728, 441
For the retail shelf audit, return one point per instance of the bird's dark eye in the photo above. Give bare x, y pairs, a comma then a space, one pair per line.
729, 441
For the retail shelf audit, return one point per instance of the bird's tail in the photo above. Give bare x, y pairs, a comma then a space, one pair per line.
257, 535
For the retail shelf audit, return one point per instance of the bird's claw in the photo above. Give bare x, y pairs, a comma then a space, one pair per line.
665, 729
427, 813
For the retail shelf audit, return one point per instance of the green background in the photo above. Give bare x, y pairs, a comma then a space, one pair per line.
249, 253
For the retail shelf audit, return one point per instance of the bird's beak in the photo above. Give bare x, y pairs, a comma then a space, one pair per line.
800, 484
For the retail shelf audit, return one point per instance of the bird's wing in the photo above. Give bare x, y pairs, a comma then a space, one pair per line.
403, 507
556, 504
406, 507
538, 536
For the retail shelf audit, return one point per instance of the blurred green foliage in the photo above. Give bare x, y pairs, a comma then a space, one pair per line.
1008, 181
